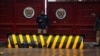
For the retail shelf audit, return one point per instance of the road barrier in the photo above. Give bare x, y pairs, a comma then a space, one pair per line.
45, 41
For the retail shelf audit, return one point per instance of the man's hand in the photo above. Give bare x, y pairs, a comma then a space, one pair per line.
40, 20
46, 27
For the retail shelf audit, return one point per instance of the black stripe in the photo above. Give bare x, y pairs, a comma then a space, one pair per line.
39, 41
65, 41
58, 41
21, 45
72, 41
32, 43
45, 39
25, 43
18, 41
79, 42
51, 42
11, 41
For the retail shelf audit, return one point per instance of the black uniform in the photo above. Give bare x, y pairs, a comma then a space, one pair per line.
42, 21
97, 24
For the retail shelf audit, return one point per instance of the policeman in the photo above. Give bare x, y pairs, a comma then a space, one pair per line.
97, 27
42, 21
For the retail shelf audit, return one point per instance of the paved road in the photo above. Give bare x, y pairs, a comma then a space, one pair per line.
49, 52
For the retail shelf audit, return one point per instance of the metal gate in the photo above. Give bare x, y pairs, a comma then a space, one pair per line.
73, 18
18, 16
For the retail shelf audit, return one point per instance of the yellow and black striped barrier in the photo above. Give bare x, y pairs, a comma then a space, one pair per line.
48, 41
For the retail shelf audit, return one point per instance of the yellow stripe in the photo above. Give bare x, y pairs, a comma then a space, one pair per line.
42, 40
35, 39
76, 41
55, 41
9, 44
81, 45
14, 40
48, 40
28, 38
62, 41
21, 38
69, 41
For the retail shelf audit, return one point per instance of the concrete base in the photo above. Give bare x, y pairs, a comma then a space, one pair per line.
90, 44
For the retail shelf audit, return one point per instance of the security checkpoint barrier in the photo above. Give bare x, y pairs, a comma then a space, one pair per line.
45, 40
